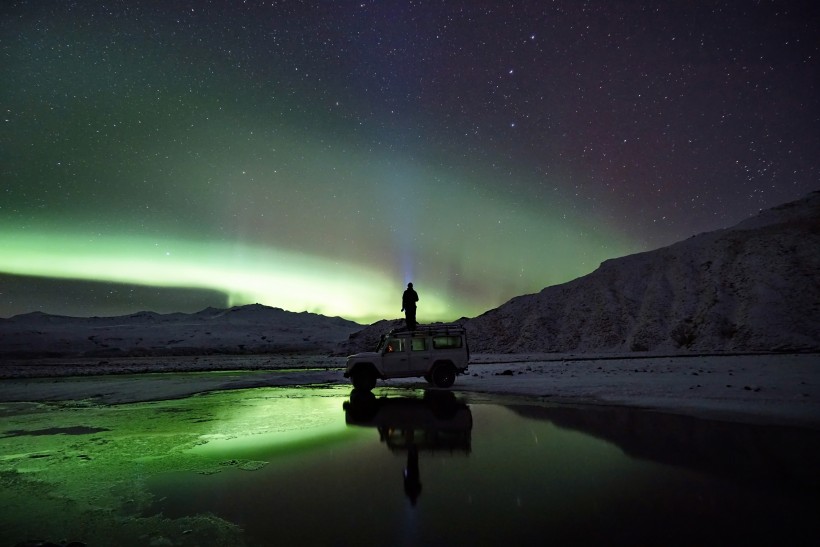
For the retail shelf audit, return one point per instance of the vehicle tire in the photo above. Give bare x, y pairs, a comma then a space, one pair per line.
443, 404
363, 378
362, 406
444, 375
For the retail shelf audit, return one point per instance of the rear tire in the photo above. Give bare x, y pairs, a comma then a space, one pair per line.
444, 375
364, 379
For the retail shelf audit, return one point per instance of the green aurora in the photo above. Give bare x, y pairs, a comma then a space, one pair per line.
319, 159
181, 194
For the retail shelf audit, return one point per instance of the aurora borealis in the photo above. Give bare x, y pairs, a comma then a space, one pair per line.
318, 155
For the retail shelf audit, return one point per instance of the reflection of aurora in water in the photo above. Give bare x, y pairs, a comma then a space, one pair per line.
299, 418
90, 484
240, 467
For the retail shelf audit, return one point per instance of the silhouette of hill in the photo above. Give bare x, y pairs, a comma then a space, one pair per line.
242, 329
752, 287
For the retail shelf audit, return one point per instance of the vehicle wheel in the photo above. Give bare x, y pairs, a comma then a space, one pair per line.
363, 379
443, 404
444, 375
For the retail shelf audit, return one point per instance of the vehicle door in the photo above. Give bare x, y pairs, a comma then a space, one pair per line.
395, 361
420, 355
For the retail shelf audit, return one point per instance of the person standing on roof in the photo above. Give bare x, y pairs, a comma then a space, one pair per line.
408, 306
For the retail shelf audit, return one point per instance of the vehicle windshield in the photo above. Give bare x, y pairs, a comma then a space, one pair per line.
381, 343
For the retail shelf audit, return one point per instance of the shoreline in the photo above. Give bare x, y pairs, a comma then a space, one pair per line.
767, 389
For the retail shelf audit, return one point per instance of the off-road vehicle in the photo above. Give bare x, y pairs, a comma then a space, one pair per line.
436, 352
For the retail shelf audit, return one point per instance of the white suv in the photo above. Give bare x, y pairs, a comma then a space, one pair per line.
436, 352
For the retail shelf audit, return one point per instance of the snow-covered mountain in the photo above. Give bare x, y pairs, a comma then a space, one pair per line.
752, 287
242, 329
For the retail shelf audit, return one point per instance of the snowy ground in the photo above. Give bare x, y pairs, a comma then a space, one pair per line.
767, 389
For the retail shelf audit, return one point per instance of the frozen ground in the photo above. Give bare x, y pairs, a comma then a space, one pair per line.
768, 389
76, 461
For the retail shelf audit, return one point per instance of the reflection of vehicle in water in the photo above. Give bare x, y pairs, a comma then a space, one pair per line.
436, 352
438, 422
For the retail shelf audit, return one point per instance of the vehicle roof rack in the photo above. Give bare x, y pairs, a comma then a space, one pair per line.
436, 328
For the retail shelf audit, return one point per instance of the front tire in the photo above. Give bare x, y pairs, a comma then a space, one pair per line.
444, 375
364, 379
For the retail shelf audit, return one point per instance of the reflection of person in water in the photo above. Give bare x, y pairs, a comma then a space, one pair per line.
412, 477
437, 423
408, 306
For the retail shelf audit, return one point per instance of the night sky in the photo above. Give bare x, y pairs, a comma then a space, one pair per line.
319, 155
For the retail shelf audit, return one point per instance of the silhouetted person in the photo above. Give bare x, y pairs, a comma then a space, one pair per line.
408, 306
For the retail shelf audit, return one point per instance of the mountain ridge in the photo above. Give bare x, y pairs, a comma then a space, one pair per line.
751, 287
254, 328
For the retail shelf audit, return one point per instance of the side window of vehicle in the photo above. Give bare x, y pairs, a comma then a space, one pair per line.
394, 345
447, 342
418, 344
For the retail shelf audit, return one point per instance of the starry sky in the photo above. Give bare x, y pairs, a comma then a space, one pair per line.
318, 155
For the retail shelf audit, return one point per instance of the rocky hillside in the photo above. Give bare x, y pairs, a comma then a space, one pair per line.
753, 287
238, 330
